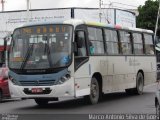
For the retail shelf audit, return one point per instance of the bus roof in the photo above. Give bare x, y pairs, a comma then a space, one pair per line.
118, 27
76, 22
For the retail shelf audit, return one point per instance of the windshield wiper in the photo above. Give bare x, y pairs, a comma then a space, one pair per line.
28, 54
48, 53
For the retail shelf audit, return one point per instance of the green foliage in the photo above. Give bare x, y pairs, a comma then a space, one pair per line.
148, 15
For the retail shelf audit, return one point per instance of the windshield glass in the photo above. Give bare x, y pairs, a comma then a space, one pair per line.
41, 47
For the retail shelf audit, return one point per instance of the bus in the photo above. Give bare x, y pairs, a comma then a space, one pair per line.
76, 58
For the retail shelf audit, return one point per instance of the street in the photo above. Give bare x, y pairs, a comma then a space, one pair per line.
114, 103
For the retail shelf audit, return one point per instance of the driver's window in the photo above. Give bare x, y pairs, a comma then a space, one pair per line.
80, 39
81, 51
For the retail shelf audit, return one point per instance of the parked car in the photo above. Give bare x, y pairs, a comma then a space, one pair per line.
4, 88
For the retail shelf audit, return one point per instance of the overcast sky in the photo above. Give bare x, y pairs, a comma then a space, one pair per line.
42, 4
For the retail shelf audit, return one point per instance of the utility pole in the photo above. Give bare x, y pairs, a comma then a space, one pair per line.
156, 27
2, 2
100, 10
27, 11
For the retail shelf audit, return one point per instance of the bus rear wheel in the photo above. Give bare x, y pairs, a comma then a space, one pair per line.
41, 102
139, 84
138, 90
93, 98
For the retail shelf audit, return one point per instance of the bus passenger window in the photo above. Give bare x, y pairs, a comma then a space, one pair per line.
96, 38
111, 39
138, 43
149, 46
91, 48
126, 44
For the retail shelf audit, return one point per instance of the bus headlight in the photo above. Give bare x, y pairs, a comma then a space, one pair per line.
63, 79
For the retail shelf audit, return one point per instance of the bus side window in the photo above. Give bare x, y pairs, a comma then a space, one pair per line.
149, 45
91, 48
81, 50
81, 46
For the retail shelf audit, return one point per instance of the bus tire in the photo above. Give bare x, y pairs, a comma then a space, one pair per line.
93, 98
41, 102
139, 84
138, 90
1, 96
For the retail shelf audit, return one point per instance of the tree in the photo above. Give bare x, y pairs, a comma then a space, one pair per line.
148, 15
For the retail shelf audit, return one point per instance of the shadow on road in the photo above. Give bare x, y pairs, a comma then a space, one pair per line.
9, 100
121, 95
79, 103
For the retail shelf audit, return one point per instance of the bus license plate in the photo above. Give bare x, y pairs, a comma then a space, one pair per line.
37, 90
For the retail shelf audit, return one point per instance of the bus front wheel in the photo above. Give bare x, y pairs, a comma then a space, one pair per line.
41, 102
94, 92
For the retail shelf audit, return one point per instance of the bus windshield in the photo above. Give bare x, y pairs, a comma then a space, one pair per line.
41, 47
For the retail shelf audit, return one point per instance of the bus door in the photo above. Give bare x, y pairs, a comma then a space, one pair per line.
82, 80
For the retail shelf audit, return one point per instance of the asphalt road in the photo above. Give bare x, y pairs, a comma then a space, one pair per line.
115, 103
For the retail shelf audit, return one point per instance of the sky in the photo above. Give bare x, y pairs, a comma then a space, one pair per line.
44, 4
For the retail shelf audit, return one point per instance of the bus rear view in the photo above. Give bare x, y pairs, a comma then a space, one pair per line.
39, 59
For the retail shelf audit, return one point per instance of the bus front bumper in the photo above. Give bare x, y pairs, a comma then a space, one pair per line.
65, 90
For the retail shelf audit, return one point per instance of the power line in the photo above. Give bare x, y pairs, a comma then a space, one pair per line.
112, 4
125, 4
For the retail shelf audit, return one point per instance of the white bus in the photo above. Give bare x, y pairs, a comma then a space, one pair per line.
75, 58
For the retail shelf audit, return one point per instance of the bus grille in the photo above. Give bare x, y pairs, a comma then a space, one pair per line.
37, 83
